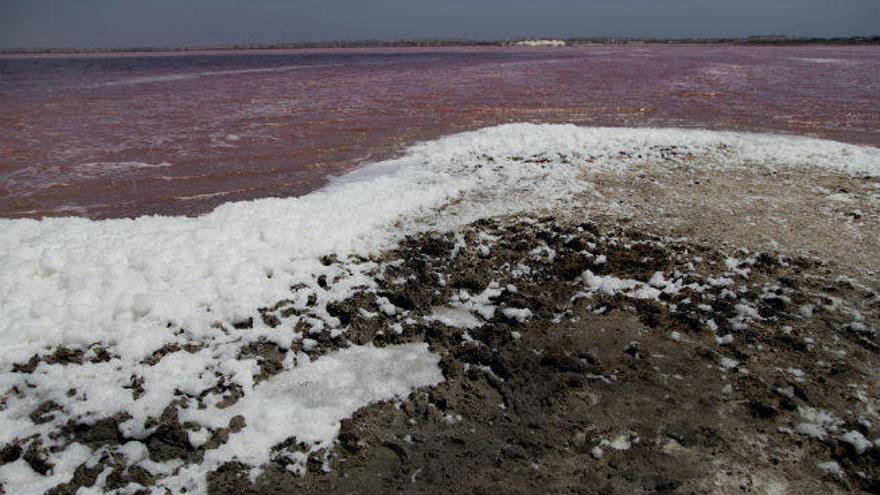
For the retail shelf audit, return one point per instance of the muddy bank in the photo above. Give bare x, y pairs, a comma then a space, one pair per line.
578, 358
831, 216
729, 372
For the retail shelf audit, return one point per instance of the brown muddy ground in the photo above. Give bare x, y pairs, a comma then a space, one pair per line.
753, 370
812, 212
609, 393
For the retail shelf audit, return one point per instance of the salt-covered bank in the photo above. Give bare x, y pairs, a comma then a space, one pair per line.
125, 318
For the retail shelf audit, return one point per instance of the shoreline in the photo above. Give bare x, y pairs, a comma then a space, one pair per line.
401, 152
632, 310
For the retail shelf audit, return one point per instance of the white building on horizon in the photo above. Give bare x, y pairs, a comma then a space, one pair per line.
540, 43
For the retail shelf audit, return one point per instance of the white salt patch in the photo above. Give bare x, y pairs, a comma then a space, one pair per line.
518, 314
818, 423
199, 437
481, 303
832, 468
308, 403
747, 311
454, 317
733, 264
18, 478
728, 363
386, 307
810, 430
458, 246
624, 441
451, 418
610, 285
719, 281
135, 285
806, 310
657, 280
857, 441
816, 60
797, 374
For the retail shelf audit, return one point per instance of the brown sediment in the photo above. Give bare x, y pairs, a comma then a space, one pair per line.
595, 392
525, 412
830, 216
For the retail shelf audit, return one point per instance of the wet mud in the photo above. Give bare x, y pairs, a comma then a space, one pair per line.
570, 366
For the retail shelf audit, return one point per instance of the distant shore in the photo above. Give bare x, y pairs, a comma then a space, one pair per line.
405, 43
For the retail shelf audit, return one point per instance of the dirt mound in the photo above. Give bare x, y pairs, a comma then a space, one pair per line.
579, 358
751, 372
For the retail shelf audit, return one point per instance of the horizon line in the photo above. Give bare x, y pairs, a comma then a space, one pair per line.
764, 39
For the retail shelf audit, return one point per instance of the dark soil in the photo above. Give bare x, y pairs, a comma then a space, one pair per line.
593, 393
536, 414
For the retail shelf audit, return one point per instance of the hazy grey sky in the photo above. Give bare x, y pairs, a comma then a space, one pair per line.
101, 23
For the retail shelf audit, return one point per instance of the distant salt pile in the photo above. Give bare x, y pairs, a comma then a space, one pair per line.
540, 43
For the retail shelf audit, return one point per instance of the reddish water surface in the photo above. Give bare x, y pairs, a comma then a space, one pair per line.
125, 135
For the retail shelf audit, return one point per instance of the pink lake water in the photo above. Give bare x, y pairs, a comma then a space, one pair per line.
126, 135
